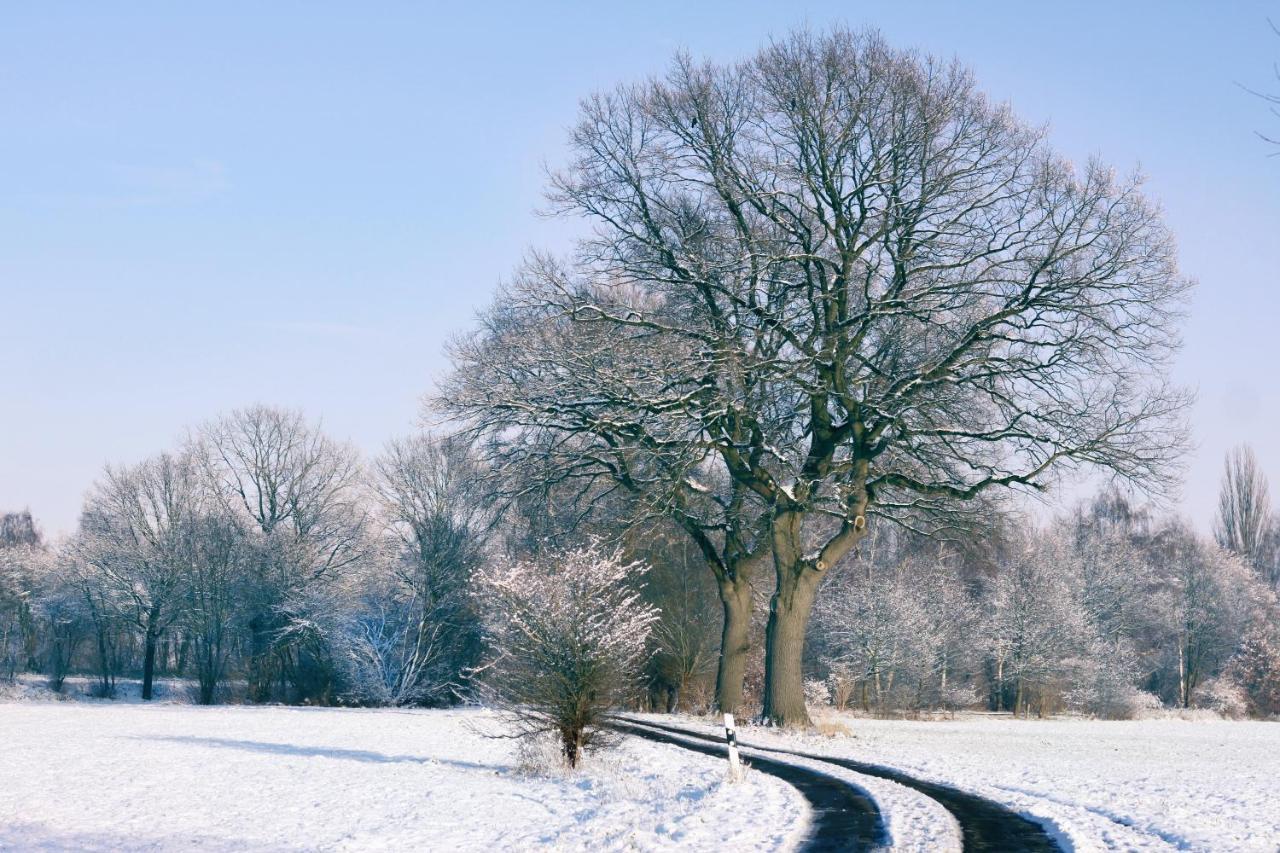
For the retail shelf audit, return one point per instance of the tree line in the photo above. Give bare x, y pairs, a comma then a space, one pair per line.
264, 550
264, 562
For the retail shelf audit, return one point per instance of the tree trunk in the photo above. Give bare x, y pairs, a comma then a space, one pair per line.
784, 646
105, 675
180, 662
999, 683
149, 655
1184, 695
735, 644
208, 686
148, 666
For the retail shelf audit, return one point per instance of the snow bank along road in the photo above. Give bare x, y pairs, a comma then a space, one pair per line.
984, 825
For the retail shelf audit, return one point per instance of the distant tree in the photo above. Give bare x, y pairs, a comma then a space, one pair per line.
218, 558
62, 622
1037, 622
21, 551
1244, 507
296, 495
419, 632
1206, 599
1267, 560
110, 614
568, 637
134, 533
19, 529
1256, 669
872, 625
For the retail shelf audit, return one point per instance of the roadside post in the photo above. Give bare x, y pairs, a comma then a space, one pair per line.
731, 738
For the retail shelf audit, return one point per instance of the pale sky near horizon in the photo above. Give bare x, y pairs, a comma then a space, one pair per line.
298, 203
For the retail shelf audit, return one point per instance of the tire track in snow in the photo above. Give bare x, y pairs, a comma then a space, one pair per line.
844, 817
986, 826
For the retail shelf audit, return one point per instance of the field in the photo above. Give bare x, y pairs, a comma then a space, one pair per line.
123, 776
98, 776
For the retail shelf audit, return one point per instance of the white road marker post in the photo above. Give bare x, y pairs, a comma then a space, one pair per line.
731, 737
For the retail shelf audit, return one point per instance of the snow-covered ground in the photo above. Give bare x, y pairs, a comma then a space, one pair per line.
104, 776
94, 775
1165, 784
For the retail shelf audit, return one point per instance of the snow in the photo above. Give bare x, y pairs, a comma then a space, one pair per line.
915, 822
107, 776
1163, 784
98, 775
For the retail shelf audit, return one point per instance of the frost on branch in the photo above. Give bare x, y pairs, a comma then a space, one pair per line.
568, 635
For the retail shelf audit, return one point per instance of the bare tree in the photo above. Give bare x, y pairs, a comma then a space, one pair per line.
19, 529
568, 637
58, 606
684, 639
133, 535
21, 552
1207, 598
420, 632
217, 555
1244, 507
840, 281
898, 627
1037, 622
296, 495
1271, 98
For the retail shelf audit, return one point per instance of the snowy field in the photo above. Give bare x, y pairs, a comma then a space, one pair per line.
98, 776
1164, 784
92, 775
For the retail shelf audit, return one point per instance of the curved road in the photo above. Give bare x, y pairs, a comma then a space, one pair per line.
985, 825
845, 818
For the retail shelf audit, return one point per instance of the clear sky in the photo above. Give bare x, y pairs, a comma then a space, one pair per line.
299, 203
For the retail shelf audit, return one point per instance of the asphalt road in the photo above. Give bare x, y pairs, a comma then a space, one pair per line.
985, 825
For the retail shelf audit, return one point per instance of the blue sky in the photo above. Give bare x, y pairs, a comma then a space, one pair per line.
299, 203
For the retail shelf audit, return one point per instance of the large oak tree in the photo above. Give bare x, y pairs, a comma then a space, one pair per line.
828, 284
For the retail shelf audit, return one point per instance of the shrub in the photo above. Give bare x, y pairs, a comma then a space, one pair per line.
568, 638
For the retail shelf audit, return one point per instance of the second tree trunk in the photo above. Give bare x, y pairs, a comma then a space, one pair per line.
784, 646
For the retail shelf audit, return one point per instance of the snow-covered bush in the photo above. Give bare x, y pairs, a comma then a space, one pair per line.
1141, 704
1222, 696
816, 692
1104, 677
568, 636
958, 696
1256, 668
540, 755
840, 687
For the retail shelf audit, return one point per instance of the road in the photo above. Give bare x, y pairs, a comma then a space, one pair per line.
985, 826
